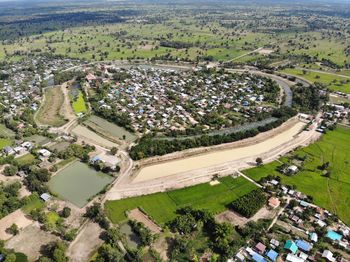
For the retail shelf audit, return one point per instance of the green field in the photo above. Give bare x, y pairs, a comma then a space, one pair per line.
162, 206
332, 193
34, 203
5, 142
26, 159
78, 104
333, 82
5, 132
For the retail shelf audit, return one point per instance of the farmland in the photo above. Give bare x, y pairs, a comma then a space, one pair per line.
5, 132
49, 113
332, 193
162, 206
5, 142
108, 129
331, 81
78, 102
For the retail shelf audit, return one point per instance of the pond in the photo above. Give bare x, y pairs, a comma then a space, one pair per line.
77, 183
131, 238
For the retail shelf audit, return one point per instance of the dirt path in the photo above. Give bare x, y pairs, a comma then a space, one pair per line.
86, 243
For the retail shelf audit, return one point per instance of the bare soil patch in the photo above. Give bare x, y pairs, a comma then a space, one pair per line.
139, 216
86, 243
236, 219
18, 218
30, 241
50, 111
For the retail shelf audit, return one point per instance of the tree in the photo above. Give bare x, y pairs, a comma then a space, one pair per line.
13, 229
65, 212
113, 151
107, 253
259, 161
10, 170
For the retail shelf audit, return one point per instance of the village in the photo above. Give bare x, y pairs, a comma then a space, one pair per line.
163, 99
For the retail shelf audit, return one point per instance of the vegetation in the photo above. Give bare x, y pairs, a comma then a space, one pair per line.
327, 192
148, 146
162, 206
250, 203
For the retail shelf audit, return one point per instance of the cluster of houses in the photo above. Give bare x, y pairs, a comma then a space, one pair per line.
21, 82
163, 99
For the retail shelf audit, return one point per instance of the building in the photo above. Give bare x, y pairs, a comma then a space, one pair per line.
328, 255
44, 152
303, 245
274, 202
260, 247
314, 237
291, 246
45, 196
272, 255
333, 235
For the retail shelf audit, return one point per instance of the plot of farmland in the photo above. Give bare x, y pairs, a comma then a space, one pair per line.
109, 129
5, 132
49, 112
162, 206
332, 193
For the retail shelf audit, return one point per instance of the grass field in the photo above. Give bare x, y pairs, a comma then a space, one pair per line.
34, 203
5, 142
5, 132
49, 112
26, 159
331, 193
333, 82
78, 104
162, 206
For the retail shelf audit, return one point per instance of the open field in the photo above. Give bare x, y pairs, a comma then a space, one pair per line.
162, 206
5, 132
26, 159
333, 82
49, 112
77, 183
18, 217
87, 135
78, 102
109, 129
38, 139
4, 142
332, 193
214, 158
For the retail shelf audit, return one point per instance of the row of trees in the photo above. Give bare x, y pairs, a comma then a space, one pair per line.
250, 203
149, 146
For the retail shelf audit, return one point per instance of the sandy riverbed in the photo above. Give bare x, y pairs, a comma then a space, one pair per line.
216, 158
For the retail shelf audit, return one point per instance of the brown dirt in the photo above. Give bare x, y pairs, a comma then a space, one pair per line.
238, 220
139, 216
30, 241
18, 218
86, 243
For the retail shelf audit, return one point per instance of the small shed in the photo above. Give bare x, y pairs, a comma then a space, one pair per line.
45, 196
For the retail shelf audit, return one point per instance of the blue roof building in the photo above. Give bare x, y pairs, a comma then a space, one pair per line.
258, 258
333, 235
291, 246
272, 254
303, 245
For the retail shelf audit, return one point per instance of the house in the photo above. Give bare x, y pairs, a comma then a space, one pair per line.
258, 258
291, 246
260, 247
27, 145
274, 202
240, 256
9, 150
45, 196
294, 258
314, 237
328, 255
44, 152
303, 245
275, 243
333, 235
272, 255
292, 169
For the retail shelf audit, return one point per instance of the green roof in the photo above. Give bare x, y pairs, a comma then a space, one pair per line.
291, 246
